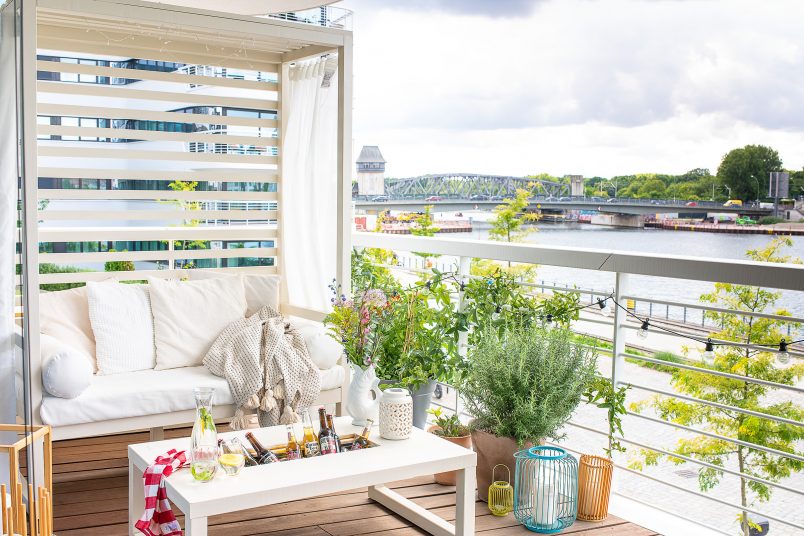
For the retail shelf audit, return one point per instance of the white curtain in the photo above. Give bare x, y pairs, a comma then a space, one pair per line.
8, 221
309, 183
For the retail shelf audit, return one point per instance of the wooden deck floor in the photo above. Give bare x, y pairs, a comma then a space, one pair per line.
91, 498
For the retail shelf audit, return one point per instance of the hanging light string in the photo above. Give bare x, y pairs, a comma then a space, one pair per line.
782, 348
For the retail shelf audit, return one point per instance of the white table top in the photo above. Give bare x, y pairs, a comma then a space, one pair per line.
421, 454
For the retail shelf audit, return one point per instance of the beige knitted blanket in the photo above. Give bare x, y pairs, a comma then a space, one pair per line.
268, 367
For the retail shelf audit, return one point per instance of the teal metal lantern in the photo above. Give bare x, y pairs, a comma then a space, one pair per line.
546, 489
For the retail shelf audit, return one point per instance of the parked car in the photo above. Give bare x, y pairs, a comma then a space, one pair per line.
596, 199
692, 204
434, 198
550, 199
733, 203
564, 199
479, 197
496, 198
612, 200
380, 199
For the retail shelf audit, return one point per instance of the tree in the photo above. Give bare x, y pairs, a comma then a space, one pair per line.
746, 171
424, 225
742, 361
510, 218
509, 225
187, 186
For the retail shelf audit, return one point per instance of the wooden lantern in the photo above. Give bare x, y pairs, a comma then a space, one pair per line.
594, 487
39, 517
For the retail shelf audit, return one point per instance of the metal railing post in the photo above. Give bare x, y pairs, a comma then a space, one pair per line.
464, 265
619, 332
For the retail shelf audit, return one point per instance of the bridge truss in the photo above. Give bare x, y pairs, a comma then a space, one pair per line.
465, 185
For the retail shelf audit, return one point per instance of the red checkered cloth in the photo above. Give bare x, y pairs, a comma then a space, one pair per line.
158, 518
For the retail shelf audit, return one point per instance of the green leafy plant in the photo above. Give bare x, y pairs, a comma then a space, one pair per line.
118, 266
421, 339
448, 425
527, 383
602, 393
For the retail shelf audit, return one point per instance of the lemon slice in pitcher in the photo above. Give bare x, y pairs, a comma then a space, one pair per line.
231, 460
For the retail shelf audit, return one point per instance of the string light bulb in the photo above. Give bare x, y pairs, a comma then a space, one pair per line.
605, 309
708, 355
642, 333
783, 357
496, 314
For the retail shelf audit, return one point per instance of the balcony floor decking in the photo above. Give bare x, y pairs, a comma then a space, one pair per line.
91, 498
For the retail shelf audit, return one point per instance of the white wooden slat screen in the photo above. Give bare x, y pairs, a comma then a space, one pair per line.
128, 132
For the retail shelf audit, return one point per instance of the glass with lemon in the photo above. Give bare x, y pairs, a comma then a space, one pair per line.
231, 458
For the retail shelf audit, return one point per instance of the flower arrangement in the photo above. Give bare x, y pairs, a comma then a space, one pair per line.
359, 322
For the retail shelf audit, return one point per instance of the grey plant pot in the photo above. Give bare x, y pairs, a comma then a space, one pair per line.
421, 403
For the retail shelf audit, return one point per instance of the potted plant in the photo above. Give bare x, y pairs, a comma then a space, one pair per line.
522, 386
453, 430
420, 347
595, 472
358, 322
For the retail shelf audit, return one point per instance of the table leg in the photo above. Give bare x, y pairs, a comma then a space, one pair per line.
465, 502
196, 526
136, 496
416, 514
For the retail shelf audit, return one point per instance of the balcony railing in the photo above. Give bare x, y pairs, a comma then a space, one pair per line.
329, 16
627, 360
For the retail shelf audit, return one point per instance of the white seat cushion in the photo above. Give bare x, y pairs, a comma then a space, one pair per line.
146, 392
189, 316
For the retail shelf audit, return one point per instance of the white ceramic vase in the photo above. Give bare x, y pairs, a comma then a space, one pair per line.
363, 400
396, 414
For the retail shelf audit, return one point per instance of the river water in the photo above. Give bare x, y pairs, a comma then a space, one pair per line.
716, 245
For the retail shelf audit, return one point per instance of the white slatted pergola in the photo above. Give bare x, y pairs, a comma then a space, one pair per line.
263, 48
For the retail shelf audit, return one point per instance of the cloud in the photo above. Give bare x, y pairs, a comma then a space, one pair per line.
615, 67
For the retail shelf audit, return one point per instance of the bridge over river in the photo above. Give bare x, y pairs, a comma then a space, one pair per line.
610, 206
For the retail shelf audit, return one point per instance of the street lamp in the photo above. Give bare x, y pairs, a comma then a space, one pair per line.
757, 181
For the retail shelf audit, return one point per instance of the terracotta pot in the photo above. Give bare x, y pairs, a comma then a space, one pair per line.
492, 450
448, 478
594, 487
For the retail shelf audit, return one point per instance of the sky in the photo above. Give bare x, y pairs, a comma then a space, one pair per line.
592, 87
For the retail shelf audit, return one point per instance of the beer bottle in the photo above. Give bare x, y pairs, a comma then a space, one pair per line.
309, 441
362, 440
326, 437
294, 450
264, 456
335, 435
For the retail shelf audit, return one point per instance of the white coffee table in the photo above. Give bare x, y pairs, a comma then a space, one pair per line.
422, 454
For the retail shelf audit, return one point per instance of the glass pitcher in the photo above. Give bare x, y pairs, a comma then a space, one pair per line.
204, 441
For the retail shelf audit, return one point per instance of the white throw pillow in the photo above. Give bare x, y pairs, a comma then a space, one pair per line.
64, 315
324, 350
66, 371
261, 289
123, 326
189, 316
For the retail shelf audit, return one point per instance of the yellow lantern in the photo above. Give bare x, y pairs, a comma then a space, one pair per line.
501, 493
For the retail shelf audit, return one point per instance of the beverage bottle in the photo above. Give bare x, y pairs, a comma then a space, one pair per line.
326, 437
264, 456
335, 435
309, 440
294, 450
362, 440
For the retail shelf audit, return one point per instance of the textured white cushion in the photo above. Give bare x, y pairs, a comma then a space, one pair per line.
324, 350
123, 326
260, 289
64, 315
147, 392
66, 372
189, 316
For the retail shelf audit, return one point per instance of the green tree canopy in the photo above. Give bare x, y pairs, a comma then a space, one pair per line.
747, 171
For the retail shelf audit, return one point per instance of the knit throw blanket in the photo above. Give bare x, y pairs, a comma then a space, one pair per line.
268, 367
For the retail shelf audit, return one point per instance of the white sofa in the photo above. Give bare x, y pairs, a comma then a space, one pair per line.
151, 399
